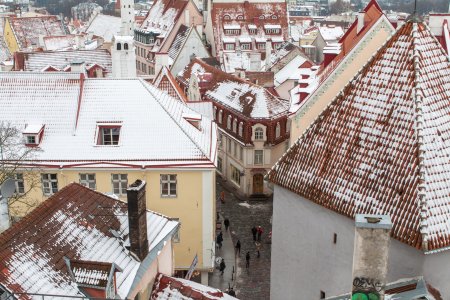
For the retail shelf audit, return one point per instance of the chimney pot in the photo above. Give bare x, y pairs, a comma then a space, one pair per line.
370, 256
137, 219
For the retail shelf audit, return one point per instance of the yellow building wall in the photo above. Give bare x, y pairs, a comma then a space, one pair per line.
187, 206
10, 38
331, 88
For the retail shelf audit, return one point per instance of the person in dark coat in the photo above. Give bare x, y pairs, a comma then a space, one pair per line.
222, 266
231, 292
219, 240
238, 247
227, 224
259, 230
254, 231
247, 260
258, 247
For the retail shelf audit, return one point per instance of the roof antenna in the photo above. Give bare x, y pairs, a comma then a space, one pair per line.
414, 17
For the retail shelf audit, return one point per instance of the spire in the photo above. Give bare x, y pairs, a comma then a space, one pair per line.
414, 17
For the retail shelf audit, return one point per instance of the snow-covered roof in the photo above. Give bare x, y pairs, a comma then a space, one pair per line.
71, 110
247, 15
170, 288
381, 146
230, 40
331, 33
60, 42
79, 224
178, 42
245, 39
105, 26
27, 30
289, 71
162, 18
36, 61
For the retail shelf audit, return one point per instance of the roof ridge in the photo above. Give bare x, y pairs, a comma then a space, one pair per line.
417, 95
146, 86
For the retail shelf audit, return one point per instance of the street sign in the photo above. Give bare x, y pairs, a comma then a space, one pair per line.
192, 268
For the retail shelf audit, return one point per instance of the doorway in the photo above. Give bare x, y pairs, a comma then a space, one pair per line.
258, 184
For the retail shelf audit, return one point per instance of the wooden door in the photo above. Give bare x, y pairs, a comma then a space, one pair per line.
258, 184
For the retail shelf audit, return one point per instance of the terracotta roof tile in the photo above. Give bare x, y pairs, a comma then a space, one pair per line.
381, 146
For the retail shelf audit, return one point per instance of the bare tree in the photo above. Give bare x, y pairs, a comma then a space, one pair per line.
339, 7
16, 163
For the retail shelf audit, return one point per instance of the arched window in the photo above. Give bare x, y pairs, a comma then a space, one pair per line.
119, 46
227, 17
274, 17
241, 129
229, 123
259, 133
125, 46
220, 116
277, 130
240, 17
235, 126
261, 17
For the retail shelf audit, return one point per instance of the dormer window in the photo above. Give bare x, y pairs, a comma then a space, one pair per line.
108, 134
193, 119
33, 134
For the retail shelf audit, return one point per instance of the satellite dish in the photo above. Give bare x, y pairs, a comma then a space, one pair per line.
8, 188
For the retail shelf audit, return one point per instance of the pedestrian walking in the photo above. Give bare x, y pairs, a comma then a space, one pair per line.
259, 231
238, 247
247, 260
219, 240
258, 247
222, 196
254, 231
231, 292
227, 224
222, 266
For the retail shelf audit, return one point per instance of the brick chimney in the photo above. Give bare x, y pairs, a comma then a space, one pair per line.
137, 218
370, 256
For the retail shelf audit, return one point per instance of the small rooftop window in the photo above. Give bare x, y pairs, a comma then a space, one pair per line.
193, 119
108, 134
33, 134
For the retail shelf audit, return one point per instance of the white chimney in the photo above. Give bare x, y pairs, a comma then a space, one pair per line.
41, 41
370, 255
255, 61
161, 61
268, 54
187, 21
78, 66
360, 24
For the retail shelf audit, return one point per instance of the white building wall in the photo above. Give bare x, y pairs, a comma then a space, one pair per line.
305, 260
437, 272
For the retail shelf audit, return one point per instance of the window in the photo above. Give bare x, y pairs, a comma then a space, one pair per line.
246, 46
219, 164
168, 185
229, 123
229, 46
277, 130
261, 17
20, 186
334, 238
235, 174
119, 46
49, 184
273, 31
229, 145
119, 183
240, 130
241, 153
274, 17
227, 17
261, 46
31, 139
215, 113
125, 46
235, 153
108, 135
232, 31
235, 126
259, 133
220, 116
176, 235
240, 17
322, 295
252, 31
88, 180
276, 45
259, 157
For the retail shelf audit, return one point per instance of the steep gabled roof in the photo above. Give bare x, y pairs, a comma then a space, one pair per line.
382, 145
167, 83
180, 37
77, 224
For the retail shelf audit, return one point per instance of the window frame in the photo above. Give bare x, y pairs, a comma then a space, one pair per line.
278, 130
235, 175
100, 135
20, 183
259, 134
169, 181
47, 183
258, 157
120, 181
87, 182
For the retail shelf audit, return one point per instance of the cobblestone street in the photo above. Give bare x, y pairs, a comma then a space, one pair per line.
254, 282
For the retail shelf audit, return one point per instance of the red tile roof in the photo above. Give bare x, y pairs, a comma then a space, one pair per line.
27, 30
381, 146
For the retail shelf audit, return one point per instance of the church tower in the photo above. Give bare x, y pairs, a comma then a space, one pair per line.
123, 53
